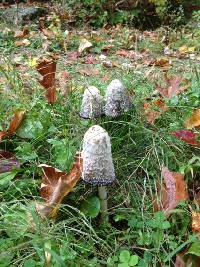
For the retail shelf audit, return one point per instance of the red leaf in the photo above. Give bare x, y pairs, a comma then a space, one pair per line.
14, 124
187, 136
47, 68
90, 60
7, 161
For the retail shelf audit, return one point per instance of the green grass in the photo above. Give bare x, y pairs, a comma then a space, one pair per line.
52, 134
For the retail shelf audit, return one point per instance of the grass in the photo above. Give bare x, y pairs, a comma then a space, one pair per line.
51, 134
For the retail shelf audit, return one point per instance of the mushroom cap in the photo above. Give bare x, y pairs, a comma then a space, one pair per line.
98, 168
117, 99
92, 103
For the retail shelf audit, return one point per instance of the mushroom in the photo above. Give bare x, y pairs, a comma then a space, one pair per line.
92, 104
117, 99
98, 168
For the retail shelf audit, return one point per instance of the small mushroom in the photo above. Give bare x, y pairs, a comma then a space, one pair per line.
92, 104
98, 168
117, 99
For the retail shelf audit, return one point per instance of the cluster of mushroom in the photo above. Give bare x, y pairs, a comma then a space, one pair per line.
116, 101
98, 168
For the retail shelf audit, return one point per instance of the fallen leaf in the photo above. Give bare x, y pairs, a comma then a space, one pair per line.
183, 49
151, 114
63, 78
90, 60
173, 190
21, 33
187, 136
179, 261
73, 55
194, 120
48, 33
173, 87
89, 71
195, 222
24, 42
8, 161
84, 44
14, 124
162, 62
56, 185
47, 68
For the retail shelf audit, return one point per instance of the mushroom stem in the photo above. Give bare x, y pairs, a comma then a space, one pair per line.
103, 203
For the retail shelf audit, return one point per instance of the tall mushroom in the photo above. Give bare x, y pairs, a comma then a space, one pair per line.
92, 103
98, 168
117, 99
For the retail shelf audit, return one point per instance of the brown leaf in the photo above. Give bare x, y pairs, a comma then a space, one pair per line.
47, 68
24, 42
194, 120
21, 33
162, 62
48, 33
151, 114
195, 222
90, 60
173, 87
89, 71
56, 185
14, 124
7, 161
172, 191
63, 78
84, 45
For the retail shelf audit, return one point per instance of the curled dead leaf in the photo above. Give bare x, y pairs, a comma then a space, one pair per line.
47, 68
21, 33
89, 71
173, 190
84, 45
14, 124
24, 42
56, 185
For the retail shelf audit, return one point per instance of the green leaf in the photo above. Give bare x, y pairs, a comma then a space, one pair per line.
29, 263
91, 206
124, 256
194, 249
6, 177
133, 260
124, 264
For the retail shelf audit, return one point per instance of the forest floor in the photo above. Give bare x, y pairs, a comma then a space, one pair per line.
154, 216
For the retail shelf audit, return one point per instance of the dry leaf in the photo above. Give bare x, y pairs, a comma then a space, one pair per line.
187, 136
172, 191
24, 42
8, 161
195, 222
47, 68
56, 185
162, 62
48, 33
63, 78
21, 33
183, 50
14, 124
151, 114
173, 87
194, 120
85, 44
89, 71
90, 60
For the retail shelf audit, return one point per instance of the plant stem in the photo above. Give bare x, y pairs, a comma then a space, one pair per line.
103, 203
